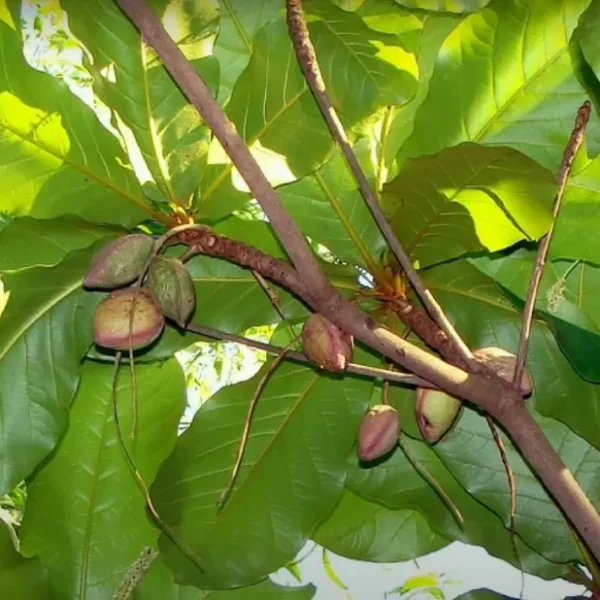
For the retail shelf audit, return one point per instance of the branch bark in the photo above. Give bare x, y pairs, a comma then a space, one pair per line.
489, 392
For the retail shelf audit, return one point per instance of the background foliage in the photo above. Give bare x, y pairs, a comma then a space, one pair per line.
459, 112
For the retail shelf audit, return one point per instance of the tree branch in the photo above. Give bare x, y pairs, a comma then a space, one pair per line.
307, 60
488, 391
575, 141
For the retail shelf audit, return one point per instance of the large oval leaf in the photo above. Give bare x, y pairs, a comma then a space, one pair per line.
27, 242
365, 531
291, 478
500, 71
45, 330
56, 156
172, 138
88, 532
398, 485
466, 198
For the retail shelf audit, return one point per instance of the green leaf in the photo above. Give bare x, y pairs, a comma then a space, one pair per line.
566, 301
330, 572
274, 112
55, 155
466, 198
472, 455
240, 21
457, 6
172, 138
485, 317
27, 242
291, 478
88, 532
420, 581
483, 594
20, 577
364, 531
45, 330
363, 70
587, 38
328, 208
397, 485
512, 82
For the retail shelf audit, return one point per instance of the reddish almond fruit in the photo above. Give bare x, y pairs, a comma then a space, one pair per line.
503, 363
112, 316
325, 344
119, 263
378, 432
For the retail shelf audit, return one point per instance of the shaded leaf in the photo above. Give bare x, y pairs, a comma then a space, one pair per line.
89, 532
29, 242
504, 77
291, 478
45, 330
20, 577
458, 6
485, 317
364, 531
55, 155
466, 198
483, 594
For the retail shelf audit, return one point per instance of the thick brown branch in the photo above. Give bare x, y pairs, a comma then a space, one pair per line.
491, 394
307, 60
575, 141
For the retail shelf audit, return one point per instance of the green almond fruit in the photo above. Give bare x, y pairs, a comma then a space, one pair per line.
435, 411
173, 288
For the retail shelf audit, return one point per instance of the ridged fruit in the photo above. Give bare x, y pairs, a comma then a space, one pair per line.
119, 263
173, 288
503, 364
112, 316
435, 412
325, 344
378, 432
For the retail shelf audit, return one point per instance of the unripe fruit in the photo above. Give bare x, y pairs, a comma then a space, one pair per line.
435, 411
326, 344
119, 263
503, 364
112, 316
378, 432
173, 288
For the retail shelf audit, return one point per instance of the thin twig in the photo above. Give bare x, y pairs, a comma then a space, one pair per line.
165, 528
307, 60
357, 369
512, 486
575, 141
246, 431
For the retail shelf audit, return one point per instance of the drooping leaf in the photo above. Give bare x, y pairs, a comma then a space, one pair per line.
239, 23
504, 77
328, 207
291, 478
20, 577
172, 138
88, 532
55, 155
483, 594
466, 198
45, 330
29, 242
485, 317
363, 70
566, 301
458, 6
397, 485
365, 531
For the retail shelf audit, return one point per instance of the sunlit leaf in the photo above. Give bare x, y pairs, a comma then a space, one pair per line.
458, 6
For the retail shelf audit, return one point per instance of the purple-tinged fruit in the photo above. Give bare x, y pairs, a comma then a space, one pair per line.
378, 432
325, 344
119, 263
435, 412
173, 288
503, 363
112, 316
